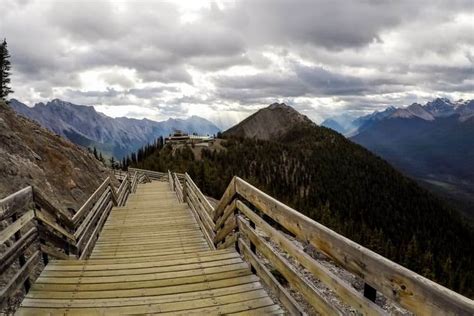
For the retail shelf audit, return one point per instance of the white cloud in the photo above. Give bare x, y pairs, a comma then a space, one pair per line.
224, 59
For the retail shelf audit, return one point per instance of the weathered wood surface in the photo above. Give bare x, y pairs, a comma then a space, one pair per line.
151, 257
19, 278
57, 234
14, 227
90, 202
343, 290
267, 277
399, 284
42, 202
17, 249
17, 202
311, 293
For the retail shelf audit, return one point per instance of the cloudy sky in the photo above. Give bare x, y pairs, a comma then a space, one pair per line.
224, 59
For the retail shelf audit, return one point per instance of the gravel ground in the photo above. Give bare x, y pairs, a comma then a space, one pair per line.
351, 279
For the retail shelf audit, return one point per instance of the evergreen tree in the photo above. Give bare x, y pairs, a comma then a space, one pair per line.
112, 162
5, 67
95, 154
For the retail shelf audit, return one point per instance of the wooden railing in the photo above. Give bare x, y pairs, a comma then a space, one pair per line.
241, 220
36, 229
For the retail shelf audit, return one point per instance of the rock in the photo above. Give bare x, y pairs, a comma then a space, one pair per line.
31, 155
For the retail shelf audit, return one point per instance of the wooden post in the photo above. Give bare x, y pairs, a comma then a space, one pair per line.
236, 213
253, 248
21, 258
185, 188
370, 292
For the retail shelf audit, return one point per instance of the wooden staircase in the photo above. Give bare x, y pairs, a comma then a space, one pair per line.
151, 257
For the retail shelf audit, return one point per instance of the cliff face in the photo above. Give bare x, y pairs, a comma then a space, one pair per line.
31, 155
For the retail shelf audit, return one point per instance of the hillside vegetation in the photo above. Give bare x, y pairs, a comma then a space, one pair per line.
343, 186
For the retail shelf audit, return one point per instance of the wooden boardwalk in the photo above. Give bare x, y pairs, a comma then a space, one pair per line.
151, 257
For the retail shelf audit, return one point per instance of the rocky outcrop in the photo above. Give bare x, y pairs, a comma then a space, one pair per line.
31, 155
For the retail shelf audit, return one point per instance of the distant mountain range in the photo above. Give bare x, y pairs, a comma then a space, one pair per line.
117, 137
433, 143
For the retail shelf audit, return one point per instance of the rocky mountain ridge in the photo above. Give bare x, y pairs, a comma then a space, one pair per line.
85, 126
439, 108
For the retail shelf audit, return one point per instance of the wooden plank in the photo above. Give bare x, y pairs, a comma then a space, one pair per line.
114, 194
53, 252
202, 221
229, 226
16, 202
149, 288
267, 310
242, 301
87, 248
412, 291
94, 264
56, 228
134, 301
265, 275
228, 211
148, 247
229, 241
311, 294
208, 235
19, 278
203, 214
109, 280
208, 207
42, 202
344, 290
140, 270
90, 201
225, 200
137, 254
55, 238
91, 217
17, 249
9, 231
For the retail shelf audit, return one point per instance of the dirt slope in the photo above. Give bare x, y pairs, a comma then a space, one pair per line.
31, 155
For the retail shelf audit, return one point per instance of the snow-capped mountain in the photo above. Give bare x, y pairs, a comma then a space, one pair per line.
438, 108
433, 143
85, 126
413, 111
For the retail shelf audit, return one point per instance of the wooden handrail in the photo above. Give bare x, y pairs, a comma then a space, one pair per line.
404, 287
53, 228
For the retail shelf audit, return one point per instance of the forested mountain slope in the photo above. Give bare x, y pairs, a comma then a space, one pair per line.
345, 187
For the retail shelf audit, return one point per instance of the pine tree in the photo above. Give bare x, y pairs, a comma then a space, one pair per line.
95, 154
112, 162
5, 67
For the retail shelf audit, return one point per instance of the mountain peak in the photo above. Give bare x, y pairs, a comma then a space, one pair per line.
277, 105
269, 122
